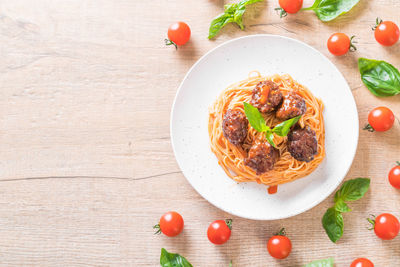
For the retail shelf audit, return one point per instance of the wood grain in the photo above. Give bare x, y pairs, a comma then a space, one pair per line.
86, 164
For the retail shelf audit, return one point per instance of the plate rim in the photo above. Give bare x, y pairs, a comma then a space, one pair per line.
329, 191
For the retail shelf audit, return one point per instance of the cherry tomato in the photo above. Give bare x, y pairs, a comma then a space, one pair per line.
387, 33
386, 226
394, 176
381, 119
178, 33
339, 44
291, 6
171, 224
362, 262
219, 231
279, 246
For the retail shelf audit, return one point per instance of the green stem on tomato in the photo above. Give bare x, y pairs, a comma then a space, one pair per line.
169, 42
371, 221
281, 232
369, 128
157, 226
282, 13
229, 223
353, 48
377, 22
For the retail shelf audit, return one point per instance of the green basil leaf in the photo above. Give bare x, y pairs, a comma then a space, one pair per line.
283, 128
173, 260
255, 118
332, 221
340, 206
380, 77
218, 23
270, 138
232, 13
321, 263
328, 10
352, 189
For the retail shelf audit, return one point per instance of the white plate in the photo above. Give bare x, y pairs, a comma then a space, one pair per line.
231, 62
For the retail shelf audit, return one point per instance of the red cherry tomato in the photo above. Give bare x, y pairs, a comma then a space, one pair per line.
291, 6
362, 262
179, 33
219, 231
171, 224
381, 119
339, 44
386, 226
387, 33
394, 176
279, 246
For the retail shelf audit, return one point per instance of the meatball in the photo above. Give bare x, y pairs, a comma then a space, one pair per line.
235, 126
261, 157
303, 144
266, 96
293, 105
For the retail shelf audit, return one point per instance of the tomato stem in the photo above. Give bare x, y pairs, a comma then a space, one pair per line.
281, 232
282, 13
377, 22
169, 42
229, 223
371, 221
353, 48
157, 226
398, 163
369, 128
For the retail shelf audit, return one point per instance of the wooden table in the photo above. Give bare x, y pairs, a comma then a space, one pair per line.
86, 162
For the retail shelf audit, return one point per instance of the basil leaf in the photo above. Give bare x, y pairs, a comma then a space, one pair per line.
321, 263
332, 221
328, 10
380, 77
218, 23
255, 118
352, 189
270, 138
173, 260
340, 206
283, 128
232, 13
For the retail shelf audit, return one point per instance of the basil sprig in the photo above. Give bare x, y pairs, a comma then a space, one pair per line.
257, 121
321, 263
173, 260
328, 10
380, 77
351, 190
232, 13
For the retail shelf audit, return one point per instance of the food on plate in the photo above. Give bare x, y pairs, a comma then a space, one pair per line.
219, 231
387, 33
303, 143
168, 259
266, 96
274, 150
394, 176
380, 77
380, 119
289, 6
351, 190
234, 126
171, 224
386, 226
232, 13
328, 10
178, 34
292, 106
339, 44
362, 262
279, 246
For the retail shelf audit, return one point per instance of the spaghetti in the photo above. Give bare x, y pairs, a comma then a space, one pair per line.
231, 157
